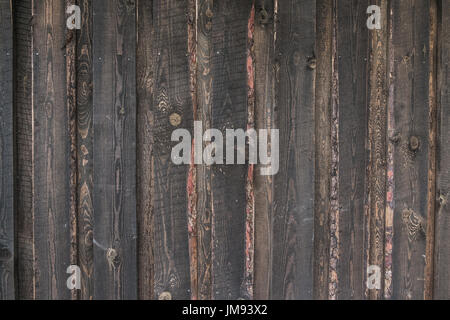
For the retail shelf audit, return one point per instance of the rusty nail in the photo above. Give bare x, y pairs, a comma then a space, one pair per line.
414, 143
165, 296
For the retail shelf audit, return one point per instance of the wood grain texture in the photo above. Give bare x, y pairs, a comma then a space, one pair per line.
352, 55
432, 150
411, 89
204, 53
378, 67
324, 22
71, 109
51, 143
229, 111
442, 244
85, 150
293, 246
145, 89
114, 116
7, 290
23, 150
172, 97
264, 52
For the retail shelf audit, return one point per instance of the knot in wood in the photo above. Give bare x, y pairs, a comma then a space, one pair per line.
414, 143
165, 296
263, 17
175, 119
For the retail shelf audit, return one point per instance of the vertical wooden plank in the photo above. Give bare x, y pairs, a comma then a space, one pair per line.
85, 151
24, 149
204, 54
171, 109
324, 23
51, 152
293, 244
432, 150
376, 143
191, 187
114, 196
229, 111
145, 89
352, 53
71, 109
442, 248
264, 48
411, 89
6, 154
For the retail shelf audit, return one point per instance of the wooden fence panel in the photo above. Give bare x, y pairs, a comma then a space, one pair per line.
85, 214
114, 116
86, 170
228, 111
51, 200
293, 216
442, 248
6, 154
24, 149
411, 48
349, 132
171, 109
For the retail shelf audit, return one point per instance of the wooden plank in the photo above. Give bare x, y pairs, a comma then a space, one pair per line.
85, 214
191, 187
442, 244
51, 202
204, 91
145, 88
411, 88
71, 109
432, 151
171, 109
23, 152
377, 144
264, 48
6, 154
114, 116
352, 49
229, 111
293, 216
323, 147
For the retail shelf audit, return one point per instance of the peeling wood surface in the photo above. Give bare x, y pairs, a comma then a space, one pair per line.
86, 176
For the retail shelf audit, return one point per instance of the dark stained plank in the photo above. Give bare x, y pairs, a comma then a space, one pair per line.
145, 89
264, 51
114, 116
23, 150
229, 111
376, 144
85, 214
6, 154
324, 43
411, 88
293, 216
442, 244
204, 54
51, 201
171, 109
352, 49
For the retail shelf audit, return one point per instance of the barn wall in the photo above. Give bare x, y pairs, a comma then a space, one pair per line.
86, 177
